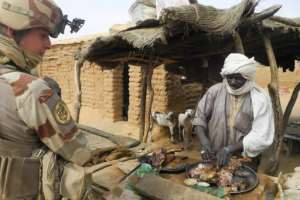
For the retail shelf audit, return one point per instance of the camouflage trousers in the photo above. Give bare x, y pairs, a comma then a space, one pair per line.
62, 180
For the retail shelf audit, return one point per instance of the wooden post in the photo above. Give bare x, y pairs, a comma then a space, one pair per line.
149, 103
239, 47
145, 70
278, 114
290, 106
77, 66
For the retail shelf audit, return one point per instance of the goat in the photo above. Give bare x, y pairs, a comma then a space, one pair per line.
166, 120
185, 127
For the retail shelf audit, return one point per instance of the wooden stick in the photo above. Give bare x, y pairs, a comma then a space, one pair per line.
279, 187
278, 115
149, 105
286, 21
290, 105
279, 133
272, 61
239, 47
77, 66
258, 17
104, 165
143, 102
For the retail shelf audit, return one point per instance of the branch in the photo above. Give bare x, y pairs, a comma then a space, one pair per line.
149, 104
143, 102
278, 115
77, 66
267, 13
290, 105
285, 21
239, 47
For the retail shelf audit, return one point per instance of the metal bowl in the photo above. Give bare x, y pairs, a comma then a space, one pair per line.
252, 178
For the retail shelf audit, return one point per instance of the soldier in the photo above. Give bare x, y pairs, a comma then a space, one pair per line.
33, 117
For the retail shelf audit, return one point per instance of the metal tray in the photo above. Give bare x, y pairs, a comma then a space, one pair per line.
174, 170
252, 179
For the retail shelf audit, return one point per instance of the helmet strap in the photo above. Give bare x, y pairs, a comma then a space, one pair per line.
18, 35
5, 30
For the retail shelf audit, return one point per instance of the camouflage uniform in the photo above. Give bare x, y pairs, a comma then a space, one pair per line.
33, 116
31, 112
45, 117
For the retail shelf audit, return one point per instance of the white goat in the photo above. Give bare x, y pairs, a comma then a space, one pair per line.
185, 127
166, 120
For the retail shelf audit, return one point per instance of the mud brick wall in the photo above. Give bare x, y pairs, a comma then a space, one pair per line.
135, 90
92, 81
175, 92
101, 89
192, 94
113, 94
168, 93
160, 87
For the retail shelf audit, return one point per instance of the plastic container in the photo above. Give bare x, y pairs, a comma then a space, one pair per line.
142, 10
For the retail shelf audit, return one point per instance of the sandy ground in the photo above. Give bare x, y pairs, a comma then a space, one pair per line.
94, 118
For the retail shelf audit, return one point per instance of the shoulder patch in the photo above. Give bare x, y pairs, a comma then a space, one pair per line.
61, 113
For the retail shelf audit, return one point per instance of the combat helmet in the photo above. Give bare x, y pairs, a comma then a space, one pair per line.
27, 14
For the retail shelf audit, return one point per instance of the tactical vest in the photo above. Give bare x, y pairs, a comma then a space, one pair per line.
19, 170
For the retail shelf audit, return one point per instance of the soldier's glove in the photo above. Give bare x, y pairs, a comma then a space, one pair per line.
223, 156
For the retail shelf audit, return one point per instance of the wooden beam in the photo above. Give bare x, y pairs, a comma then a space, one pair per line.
145, 70
278, 115
290, 106
272, 62
239, 47
258, 17
77, 72
149, 103
286, 21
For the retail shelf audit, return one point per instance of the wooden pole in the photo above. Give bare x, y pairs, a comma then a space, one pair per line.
149, 103
290, 106
273, 87
239, 47
77, 66
145, 70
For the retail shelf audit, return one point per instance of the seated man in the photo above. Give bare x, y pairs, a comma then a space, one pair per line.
235, 116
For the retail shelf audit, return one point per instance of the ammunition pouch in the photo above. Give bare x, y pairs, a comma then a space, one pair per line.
19, 174
19, 177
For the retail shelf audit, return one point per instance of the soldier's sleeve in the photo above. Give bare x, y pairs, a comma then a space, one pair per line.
43, 110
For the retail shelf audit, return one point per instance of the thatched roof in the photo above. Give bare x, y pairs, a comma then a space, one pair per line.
195, 31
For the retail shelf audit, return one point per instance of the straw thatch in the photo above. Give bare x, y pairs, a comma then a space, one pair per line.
196, 31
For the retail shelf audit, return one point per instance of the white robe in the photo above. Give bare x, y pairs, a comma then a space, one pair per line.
262, 133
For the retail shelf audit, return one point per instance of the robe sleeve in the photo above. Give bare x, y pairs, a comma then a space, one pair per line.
262, 132
204, 108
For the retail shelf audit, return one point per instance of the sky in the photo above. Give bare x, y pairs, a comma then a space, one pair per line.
100, 15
